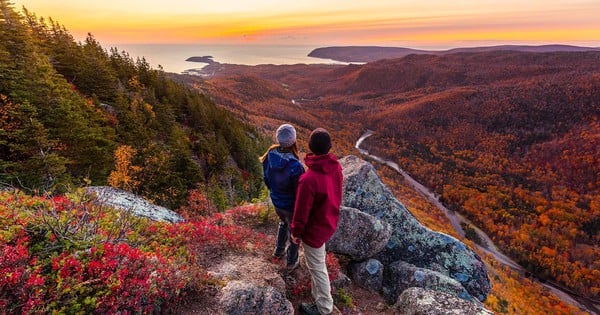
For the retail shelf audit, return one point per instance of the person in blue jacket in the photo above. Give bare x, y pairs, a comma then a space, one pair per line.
281, 170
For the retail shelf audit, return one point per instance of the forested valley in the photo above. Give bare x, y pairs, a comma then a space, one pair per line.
509, 139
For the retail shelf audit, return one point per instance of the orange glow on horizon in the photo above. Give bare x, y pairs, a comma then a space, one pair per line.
318, 22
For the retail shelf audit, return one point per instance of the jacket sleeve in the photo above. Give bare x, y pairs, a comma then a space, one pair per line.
265, 165
304, 199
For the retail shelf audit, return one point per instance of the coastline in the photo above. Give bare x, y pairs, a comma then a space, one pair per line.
172, 57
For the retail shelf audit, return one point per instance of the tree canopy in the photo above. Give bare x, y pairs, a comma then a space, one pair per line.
66, 108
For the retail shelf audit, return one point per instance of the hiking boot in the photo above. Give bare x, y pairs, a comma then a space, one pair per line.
291, 267
310, 309
279, 252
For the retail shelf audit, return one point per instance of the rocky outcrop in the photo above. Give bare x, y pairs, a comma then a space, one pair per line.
137, 205
400, 276
254, 286
358, 235
421, 301
410, 241
240, 298
247, 269
368, 274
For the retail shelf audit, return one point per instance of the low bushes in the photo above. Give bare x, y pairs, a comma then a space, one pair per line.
67, 254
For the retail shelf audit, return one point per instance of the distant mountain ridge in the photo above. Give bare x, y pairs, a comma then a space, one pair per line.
373, 53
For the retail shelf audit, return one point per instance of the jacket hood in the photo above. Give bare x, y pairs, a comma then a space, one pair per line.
279, 160
325, 163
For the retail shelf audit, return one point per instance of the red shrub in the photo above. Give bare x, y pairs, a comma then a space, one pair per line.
118, 277
333, 266
21, 287
197, 205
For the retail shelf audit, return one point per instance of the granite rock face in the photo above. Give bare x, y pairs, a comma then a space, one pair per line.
410, 241
368, 274
400, 276
138, 206
419, 301
240, 298
358, 235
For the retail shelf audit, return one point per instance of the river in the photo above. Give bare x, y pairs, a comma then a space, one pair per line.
487, 245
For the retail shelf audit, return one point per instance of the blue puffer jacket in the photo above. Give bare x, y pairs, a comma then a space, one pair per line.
281, 171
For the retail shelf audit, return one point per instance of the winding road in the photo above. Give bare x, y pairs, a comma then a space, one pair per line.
488, 245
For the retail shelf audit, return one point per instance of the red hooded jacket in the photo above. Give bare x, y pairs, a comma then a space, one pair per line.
318, 200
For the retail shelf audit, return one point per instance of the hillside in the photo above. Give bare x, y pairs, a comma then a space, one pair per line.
363, 53
73, 113
510, 139
492, 151
374, 53
81, 253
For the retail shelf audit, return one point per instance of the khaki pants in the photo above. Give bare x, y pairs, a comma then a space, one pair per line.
321, 289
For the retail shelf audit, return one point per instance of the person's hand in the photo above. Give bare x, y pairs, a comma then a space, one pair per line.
296, 240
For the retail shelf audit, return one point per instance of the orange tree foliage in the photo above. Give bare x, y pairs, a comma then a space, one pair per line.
125, 174
528, 175
512, 292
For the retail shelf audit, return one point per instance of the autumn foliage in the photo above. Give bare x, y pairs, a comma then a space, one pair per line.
125, 175
67, 254
510, 139
76, 113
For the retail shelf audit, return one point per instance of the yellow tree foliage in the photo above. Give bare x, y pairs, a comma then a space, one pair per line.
125, 175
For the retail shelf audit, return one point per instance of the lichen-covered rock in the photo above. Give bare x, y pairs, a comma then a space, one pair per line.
358, 235
419, 301
240, 298
410, 241
341, 282
368, 274
400, 276
138, 206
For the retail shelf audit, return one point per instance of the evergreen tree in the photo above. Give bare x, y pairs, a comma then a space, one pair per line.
27, 157
95, 75
69, 119
72, 104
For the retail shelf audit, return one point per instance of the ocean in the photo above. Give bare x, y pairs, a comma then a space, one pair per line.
172, 57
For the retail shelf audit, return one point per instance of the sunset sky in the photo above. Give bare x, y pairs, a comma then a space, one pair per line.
418, 24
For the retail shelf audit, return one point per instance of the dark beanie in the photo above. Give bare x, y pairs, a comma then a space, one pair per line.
320, 141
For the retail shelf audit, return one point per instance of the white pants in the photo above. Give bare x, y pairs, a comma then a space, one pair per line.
321, 289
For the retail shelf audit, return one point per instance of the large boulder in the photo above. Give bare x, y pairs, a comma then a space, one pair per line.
410, 241
400, 276
125, 201
358, 235
254, 285
419, 301
241, 298
368, 274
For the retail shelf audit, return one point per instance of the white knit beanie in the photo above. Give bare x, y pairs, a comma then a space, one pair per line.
286, 135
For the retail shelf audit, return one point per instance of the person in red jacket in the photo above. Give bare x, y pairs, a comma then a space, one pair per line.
316, 214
